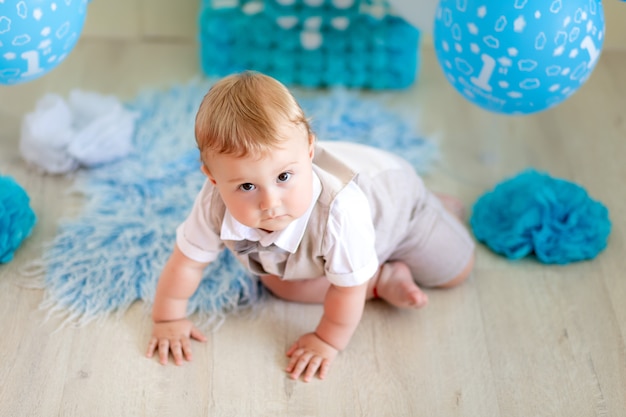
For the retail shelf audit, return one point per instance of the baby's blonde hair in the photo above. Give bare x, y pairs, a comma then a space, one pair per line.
241, 114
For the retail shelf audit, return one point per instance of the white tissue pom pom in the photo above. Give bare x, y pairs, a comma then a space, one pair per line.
91, 130
46, 133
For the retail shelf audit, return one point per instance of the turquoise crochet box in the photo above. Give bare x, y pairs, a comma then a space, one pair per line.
311, 43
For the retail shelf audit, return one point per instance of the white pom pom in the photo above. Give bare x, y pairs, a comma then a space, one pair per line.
45, 135
91, 130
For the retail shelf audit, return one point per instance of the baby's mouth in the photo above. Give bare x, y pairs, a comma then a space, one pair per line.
274, 217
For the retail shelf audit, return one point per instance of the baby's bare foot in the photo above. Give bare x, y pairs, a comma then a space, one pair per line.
453, 205
396, 286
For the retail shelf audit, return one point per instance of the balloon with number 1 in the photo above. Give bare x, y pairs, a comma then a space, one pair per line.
518, 56
36, 36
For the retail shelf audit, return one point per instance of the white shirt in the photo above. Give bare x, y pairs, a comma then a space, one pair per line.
351, 256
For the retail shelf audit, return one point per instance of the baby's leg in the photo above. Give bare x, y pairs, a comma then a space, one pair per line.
394, 284
440, 250
310, 291
457, 209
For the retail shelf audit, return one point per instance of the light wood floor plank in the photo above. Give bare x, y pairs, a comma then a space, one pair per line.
518, 339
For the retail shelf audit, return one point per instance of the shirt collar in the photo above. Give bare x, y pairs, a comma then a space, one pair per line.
287, 239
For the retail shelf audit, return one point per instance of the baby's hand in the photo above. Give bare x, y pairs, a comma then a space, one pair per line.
308, 355
173, 336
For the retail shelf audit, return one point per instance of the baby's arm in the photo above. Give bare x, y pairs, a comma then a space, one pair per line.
343, 308
171, 330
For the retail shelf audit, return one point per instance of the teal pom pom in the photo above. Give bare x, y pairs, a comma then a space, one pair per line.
16, 217
533, 213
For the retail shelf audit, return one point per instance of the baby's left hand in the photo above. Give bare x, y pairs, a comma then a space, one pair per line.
310, 354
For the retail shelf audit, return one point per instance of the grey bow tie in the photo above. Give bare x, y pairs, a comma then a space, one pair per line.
245, 247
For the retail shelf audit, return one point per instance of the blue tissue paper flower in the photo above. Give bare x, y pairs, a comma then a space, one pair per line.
16, 217
533, 213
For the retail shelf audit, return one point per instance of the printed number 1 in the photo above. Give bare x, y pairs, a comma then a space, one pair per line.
588, 45
32, 61
485, 73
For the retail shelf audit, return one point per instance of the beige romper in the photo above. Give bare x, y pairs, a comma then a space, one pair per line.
410, 222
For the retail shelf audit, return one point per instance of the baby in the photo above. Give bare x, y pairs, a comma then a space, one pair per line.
319, 222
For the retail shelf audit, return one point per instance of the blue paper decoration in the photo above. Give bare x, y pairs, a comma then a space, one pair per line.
112, 254
36, 35
16, 217
313, 43
518, 56
534, 213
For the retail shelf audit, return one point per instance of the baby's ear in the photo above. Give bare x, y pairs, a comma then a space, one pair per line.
311, 145
206, 172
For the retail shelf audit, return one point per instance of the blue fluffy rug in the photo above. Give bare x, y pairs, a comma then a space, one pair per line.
111, 255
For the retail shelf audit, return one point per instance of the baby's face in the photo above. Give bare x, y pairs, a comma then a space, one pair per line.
269, 192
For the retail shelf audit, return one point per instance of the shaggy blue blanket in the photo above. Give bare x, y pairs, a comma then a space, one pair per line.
111, 255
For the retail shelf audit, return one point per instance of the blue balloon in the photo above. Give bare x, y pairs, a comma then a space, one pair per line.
518, 56
36, 35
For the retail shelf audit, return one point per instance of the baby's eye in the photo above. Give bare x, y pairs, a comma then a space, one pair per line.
247, 187
284, 177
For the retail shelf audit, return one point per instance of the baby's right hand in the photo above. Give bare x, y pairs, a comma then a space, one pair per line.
174, 336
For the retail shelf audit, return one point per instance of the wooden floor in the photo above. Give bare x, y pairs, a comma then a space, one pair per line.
519, 339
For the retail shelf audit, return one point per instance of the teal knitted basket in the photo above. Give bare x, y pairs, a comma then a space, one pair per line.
311, 43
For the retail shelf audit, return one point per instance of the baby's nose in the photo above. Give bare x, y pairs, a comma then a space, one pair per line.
270, 200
